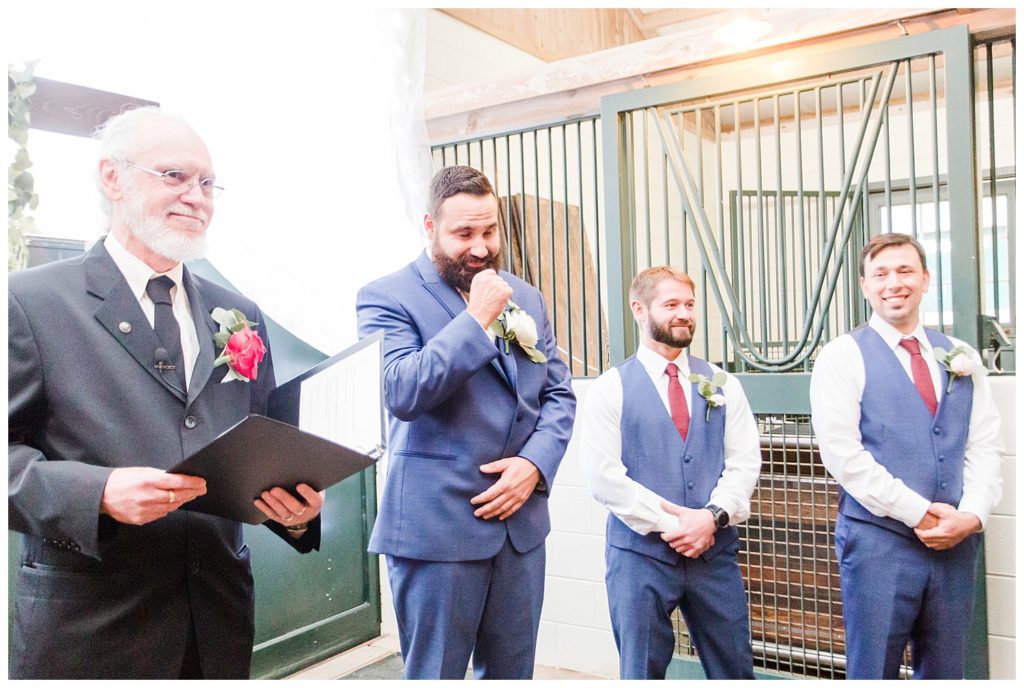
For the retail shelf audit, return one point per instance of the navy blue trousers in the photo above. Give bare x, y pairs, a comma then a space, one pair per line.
489, 609
642, 594
897, 590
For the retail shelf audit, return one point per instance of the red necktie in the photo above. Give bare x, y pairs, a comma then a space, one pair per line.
677, 401
922, 378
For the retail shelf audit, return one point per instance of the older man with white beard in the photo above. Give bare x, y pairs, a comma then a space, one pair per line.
113, 379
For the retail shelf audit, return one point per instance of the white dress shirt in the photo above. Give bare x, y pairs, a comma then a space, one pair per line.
138, 274
837, 386
640, 507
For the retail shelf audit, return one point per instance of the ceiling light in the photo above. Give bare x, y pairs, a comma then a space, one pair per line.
742, 32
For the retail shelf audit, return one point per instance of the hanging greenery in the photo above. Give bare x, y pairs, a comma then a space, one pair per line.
21, 198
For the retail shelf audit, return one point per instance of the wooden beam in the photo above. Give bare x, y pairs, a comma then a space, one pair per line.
553, 34
638, 21
76, 110
650, 22
457, 113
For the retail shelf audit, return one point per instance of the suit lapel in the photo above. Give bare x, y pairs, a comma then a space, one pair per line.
120, 311
205, 329
452, 302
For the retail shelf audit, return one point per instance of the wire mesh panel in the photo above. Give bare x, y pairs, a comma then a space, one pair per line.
788, 559
547, 181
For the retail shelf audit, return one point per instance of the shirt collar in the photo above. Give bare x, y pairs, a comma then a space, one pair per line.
654, 363
135, 271
891, 336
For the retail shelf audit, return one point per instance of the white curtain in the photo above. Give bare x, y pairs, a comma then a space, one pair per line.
312, 113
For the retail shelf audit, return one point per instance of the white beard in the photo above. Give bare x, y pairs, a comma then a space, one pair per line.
158, 237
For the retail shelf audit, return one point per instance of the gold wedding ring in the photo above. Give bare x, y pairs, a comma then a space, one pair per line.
301, 512
170, 496
289, 517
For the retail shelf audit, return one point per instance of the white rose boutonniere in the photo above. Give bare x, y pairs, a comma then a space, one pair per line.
515, 325
958, 363
709, 389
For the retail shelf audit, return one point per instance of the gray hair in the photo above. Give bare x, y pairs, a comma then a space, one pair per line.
120, 135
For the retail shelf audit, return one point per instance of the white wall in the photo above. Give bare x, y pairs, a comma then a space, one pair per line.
1001, 544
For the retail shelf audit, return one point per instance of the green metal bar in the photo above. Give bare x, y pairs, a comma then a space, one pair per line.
886, 155
618, 232
645, 167
781, 267
718, 211
597, 254
990, 84
762, 249
583, 247
934, 102
565, 232
911, 148
962, 186
522, 207
538, 278
551, 236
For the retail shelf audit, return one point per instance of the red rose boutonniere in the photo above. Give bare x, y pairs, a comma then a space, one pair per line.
241, 348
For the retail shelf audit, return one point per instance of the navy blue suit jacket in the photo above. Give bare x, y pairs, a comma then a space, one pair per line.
456, 401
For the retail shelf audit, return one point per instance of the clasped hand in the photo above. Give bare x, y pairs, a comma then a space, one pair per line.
518, 480
943, 527
696, 531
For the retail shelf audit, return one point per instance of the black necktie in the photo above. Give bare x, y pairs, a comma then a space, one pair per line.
167, 331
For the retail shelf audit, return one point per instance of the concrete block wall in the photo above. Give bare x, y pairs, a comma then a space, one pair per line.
1001, 544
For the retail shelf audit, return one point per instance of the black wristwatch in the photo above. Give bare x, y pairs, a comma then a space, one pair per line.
720, 515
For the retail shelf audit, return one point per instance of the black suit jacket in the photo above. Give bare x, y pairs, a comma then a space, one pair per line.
96, 598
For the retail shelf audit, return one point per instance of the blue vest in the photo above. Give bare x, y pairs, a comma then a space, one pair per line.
655, 456
925, 452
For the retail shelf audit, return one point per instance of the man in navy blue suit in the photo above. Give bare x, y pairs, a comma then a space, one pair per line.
675, 462
914, 444
481, 410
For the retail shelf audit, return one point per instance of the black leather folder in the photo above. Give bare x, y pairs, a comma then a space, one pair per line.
261, 452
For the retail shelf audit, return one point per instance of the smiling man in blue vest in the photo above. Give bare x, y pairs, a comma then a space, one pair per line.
912, 437
671, 448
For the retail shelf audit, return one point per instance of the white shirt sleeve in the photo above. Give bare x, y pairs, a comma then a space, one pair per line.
837, 386
742, 455
632, 503
983, 483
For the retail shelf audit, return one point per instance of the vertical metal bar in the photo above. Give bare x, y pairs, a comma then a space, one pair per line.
645, 162
990, 85
738, 238
802, 220
718, 215
538, 275
597, 256
508, 201
762, 246
554, 263
841, 122
911, 162
522, 207
780, 231
887, 155
962, 189
933, 97
583, 247
664, 195
483, 165
685, 244
568, 265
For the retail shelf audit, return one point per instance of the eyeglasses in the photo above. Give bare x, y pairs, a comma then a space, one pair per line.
182, 182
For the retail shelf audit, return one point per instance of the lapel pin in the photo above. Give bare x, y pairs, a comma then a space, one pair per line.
125, 327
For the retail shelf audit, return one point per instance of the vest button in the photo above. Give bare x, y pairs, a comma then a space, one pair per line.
937, 431
191, 422
942, 457
686, 459
942, 484
689, 485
